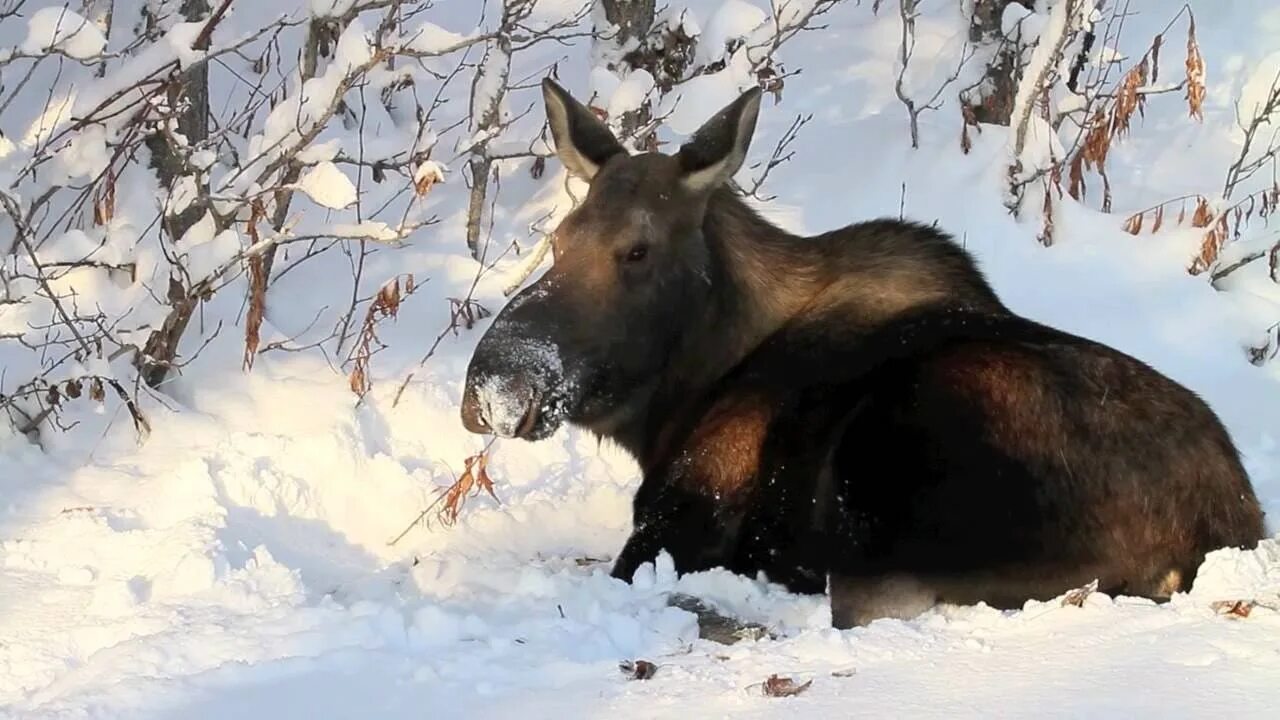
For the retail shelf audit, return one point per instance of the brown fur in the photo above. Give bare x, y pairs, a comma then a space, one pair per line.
723, 452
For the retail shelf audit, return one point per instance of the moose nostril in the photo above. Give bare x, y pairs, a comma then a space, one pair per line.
475, 417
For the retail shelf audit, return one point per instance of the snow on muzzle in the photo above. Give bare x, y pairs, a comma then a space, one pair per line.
516, 388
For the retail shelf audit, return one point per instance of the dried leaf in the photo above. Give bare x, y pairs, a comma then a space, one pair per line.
474, 479
1128, 99
1210, 247
72, 389
1159, 219
1077, 188
1046, 232
104, 201
424, 182
96, 392
386, 303
257, 291
1233, 608
1077, 596
783, 686
53, 397
358, 382
1133, 225
637, 669
1195, 73
1203, 215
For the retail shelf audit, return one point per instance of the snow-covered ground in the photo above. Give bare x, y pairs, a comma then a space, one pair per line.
238, 563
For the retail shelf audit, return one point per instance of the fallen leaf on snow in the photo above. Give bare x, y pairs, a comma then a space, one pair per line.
1076, 597
1233, 608
637, 669
783, 686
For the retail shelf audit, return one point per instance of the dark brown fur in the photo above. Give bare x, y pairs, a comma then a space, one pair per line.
856, 409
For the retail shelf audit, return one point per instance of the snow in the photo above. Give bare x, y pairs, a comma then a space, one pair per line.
206, 248
429, 171
328, 186
238, 562
1039, 149
631, 93
330, 8
181, 38
428, 37
369, 229
61, 29
733, 20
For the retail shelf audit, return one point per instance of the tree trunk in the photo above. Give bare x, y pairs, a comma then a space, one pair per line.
633, 18
994, 103
189, 93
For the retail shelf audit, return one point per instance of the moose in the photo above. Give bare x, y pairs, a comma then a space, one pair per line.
854, 413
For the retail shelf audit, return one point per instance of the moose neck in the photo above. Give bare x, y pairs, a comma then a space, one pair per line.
766, 282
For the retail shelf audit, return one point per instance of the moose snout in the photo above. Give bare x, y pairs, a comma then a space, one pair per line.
504, 406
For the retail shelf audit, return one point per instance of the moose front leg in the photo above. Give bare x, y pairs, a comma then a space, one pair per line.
697, 533
692, 503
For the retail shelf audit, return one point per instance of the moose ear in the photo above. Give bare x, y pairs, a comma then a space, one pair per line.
583, 143
717, 149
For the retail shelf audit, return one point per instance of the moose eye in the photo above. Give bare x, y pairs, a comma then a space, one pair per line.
638, 253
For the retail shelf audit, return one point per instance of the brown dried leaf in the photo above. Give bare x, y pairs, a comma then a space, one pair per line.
359, 383
1195, 73
1203, 215
256, 288
1046, 232
1159, 219
1211, 247
53, 397
1077, 596
72, 389
1233, 608
96, 391
1077, 188
474, 479
104, 202
386, 303
423, 184
637, 669
1127, 98
783, 686
1133, 225
257, 309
